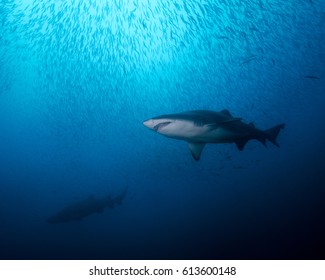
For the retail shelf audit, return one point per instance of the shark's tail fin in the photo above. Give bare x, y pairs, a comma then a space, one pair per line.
271, 134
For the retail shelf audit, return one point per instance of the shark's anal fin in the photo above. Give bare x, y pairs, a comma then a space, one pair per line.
196, 149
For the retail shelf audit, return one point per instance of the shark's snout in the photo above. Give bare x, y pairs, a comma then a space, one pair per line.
149, 123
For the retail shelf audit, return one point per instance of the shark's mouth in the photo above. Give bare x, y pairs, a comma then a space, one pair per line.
161, 125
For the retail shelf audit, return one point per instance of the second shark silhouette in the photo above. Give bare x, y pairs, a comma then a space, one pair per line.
77, 211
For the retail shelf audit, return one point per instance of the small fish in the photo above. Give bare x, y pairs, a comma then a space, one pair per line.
239, 167
312, 77
253, 28
248, 59
222, 37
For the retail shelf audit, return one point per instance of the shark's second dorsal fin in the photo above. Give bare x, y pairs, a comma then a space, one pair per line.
226, 112
196, 149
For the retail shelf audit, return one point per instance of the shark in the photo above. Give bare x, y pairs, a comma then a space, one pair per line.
86, 207
200, 127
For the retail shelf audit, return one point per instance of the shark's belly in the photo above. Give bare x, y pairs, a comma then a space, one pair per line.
183, 130
218, 135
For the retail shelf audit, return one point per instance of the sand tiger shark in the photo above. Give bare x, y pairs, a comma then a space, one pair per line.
91, 205
202, 126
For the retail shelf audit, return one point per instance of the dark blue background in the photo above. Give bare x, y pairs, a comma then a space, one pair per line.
78, 78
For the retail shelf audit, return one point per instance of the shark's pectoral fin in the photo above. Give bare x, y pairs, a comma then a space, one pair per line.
196, 149
241, 144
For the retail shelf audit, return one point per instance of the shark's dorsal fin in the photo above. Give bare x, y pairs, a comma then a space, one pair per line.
226, 112
196, 149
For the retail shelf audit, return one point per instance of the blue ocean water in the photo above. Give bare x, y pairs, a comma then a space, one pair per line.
77, 80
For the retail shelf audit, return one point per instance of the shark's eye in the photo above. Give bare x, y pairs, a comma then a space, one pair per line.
161, 125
